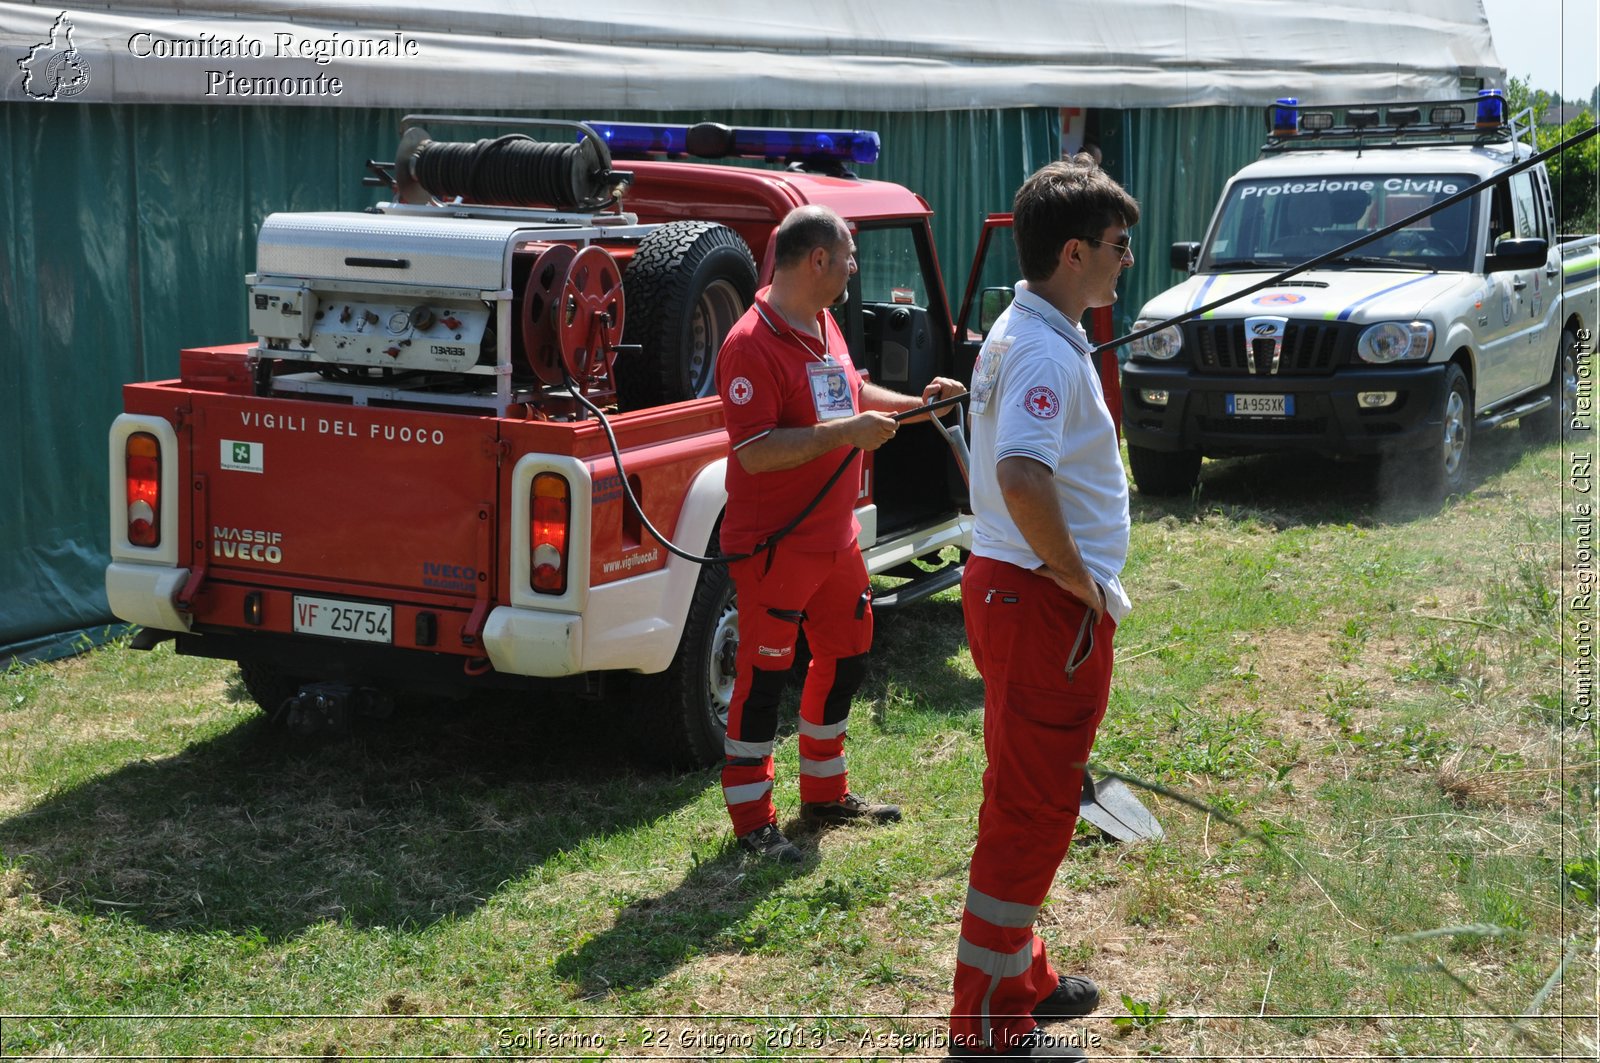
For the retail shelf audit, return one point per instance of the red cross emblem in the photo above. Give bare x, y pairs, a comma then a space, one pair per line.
1042, 403
741, 391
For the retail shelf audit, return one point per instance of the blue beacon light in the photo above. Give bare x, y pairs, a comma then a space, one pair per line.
1491, 108
835, 145
636, 139
1285, 116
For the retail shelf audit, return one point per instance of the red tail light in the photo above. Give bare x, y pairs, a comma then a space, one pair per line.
142, 466
551, 519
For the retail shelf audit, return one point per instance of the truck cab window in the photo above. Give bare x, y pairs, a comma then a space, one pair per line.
1529, 218
900, 343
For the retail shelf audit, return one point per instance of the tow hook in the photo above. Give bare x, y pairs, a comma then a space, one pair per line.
327, 709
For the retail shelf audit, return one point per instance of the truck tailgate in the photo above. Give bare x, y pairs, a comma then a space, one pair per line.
283, 484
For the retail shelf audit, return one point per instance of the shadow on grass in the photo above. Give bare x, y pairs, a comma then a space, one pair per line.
911, 660
1296, 490
411, 821
654, 936
914, 650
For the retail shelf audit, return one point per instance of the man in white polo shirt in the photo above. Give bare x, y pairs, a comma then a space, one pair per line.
1041, 597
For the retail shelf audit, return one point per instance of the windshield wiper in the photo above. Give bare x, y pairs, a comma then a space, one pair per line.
1247, 263
1373, 260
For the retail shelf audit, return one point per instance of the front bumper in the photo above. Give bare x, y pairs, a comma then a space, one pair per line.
1327, 418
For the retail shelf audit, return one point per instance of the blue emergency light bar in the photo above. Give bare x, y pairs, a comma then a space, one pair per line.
711, 140
1291, 125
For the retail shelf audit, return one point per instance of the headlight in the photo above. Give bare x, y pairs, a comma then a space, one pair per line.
1394, 341
1162, 346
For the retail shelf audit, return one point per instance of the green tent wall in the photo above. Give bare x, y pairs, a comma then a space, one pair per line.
1174, 162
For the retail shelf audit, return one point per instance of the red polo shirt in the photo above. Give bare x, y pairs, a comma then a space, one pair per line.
764, 384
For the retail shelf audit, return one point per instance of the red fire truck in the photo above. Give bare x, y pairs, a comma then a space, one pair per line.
408, 481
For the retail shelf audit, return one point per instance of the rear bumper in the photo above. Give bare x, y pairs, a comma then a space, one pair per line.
631, 624
622, 628
144, 594
1327, 417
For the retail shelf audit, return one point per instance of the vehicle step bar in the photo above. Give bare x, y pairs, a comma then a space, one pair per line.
915, 591
1495, 420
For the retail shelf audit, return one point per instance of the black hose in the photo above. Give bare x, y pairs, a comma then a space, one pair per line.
513, 170
770, 541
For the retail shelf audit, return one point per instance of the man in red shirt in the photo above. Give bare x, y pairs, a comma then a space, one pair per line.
795, 405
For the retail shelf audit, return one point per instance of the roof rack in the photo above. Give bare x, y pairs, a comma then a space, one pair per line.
1475, 120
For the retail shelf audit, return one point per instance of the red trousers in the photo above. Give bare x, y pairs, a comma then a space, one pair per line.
828, 594
1039, 722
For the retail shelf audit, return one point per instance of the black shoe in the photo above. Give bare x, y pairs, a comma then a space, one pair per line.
770, 843
1032, 1045
1073, 997
848, 809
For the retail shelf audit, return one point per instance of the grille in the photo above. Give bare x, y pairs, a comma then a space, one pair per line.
1310, 348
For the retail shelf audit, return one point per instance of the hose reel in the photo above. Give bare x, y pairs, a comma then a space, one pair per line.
572, 315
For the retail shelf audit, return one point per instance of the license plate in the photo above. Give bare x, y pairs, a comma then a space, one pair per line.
335, 619
1261, 405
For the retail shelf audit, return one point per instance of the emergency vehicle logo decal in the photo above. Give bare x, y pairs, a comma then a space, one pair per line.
1042, 403
242, 457
1278, 299
741, 391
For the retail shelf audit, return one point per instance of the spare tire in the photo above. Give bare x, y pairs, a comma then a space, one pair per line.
688, 283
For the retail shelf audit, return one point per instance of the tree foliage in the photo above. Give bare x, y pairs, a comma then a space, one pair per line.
1575, 172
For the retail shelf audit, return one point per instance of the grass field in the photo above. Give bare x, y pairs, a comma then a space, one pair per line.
1386, 696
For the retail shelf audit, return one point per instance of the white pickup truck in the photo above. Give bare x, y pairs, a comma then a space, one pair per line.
1469, 317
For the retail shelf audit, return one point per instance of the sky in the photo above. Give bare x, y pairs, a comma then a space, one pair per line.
1552, 43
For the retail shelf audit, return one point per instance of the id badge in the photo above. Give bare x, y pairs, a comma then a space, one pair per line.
830, 391
987, 372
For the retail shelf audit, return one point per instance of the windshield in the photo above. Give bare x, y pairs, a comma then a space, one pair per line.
1281, 222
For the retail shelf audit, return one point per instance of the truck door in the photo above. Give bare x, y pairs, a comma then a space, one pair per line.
1526, 369
989, 289
1502, 311
897, 321
1544, 334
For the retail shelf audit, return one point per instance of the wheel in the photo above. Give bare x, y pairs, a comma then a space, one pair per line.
1164, 472
268, 687
1440, 469
687, 285
1546, 425
683, 712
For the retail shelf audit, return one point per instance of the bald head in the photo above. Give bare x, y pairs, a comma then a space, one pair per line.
804, 230
813, 260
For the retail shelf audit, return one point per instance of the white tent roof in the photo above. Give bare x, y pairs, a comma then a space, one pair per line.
879, 55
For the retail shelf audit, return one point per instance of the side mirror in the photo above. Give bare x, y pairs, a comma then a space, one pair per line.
1528, 252
1184, 256
991, 304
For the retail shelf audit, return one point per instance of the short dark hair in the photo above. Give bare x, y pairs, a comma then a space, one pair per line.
1068, 200
805, 228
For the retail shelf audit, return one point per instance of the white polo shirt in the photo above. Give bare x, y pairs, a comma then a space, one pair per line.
1036, 394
